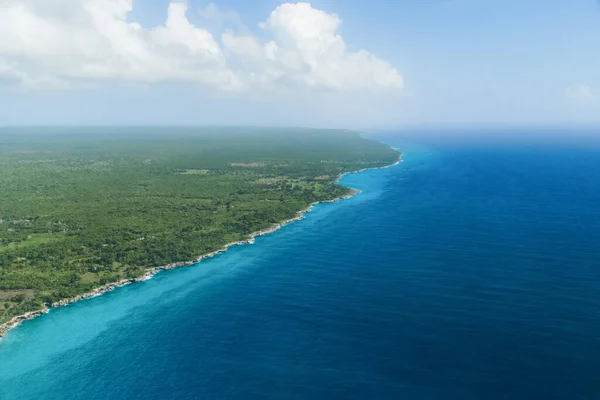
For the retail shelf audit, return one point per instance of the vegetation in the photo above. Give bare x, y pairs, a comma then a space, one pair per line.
83, 207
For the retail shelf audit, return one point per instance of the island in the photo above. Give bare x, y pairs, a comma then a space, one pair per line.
84, 210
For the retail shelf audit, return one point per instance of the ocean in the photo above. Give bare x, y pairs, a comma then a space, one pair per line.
469, 271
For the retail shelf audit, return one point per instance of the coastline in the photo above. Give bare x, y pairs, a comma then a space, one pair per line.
16, 321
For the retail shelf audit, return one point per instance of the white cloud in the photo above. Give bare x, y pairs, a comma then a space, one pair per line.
580, 94
307, 49
63, 43
70, 40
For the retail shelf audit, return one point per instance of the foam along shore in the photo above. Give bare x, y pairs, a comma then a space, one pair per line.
16, 321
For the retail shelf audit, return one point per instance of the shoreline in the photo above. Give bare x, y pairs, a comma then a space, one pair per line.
109, 287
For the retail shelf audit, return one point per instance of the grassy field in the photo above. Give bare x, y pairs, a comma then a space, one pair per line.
81, 207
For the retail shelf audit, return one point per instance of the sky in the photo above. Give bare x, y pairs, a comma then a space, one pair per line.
374, 64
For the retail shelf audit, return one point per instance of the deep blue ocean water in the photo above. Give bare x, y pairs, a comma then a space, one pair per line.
466, 272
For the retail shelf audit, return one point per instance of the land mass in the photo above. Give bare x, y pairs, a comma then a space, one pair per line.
84, 210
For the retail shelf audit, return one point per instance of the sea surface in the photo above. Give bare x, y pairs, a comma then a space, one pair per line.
469, 271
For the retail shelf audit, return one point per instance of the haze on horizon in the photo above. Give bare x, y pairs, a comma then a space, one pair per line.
367, 64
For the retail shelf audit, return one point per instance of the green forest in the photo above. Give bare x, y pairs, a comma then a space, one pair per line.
82, 207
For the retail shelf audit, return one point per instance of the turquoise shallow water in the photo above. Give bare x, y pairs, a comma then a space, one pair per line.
465, 272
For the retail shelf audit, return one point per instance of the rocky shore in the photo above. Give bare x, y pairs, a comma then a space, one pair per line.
4, 328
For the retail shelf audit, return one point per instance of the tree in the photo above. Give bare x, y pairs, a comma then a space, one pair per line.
18, 298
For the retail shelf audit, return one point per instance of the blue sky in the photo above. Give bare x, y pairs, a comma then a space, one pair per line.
427, 62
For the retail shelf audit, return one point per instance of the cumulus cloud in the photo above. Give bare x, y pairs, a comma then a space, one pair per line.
307, 49
580, 94
63, 43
